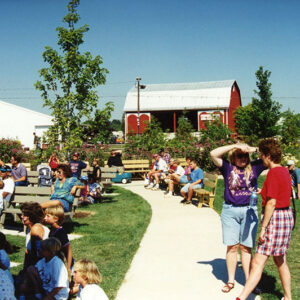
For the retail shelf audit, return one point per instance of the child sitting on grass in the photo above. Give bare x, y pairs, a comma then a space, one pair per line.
48, 279
95, 189
83, 199
54, 216
87, 275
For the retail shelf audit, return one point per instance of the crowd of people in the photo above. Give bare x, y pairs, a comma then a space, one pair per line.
49, 269
49, 261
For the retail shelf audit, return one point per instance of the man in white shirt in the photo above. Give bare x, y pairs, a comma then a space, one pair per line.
9, 185
159, 168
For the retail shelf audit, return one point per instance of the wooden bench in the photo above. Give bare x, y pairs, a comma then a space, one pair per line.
208, 193
138, 167
36, 194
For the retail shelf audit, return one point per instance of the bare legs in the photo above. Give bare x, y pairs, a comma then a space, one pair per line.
231, 261
257, 267
51, 203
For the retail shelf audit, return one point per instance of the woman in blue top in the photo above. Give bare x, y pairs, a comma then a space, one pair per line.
239, 219
64, 188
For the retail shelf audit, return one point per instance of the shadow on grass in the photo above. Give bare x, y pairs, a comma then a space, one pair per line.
268, 285
69, 227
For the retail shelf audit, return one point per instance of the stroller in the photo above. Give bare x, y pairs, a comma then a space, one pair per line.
44, 177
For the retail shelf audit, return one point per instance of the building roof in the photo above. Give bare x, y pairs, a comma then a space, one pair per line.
179, 96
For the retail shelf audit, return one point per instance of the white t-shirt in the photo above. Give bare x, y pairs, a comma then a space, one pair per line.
54, 274
180, 170
162, 165
9, 186
91, 292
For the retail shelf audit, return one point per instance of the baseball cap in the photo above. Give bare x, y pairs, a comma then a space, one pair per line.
76, 154
84, 177
290, 162
5, 168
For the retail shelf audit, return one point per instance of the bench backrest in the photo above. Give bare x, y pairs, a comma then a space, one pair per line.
210, 181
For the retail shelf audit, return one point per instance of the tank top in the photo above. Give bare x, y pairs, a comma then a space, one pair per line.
28, 237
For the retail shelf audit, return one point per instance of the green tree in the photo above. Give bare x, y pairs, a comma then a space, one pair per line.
99, 128
260, 119
67, 84
116, 125
290, 128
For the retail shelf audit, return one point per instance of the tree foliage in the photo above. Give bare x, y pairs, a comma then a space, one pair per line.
67, 84
260, 118
290, 128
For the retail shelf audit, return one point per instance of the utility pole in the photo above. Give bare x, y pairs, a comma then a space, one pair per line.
138, 79
139, 87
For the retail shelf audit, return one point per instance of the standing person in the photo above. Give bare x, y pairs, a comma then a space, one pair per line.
96, 170
195, 178
276, 221
18, 172
9, 186
53, 161
295, 175
87, 275
76, 165
239, 219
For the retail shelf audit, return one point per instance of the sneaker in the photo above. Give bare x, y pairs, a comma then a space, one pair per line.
155, 188
150, 186
183, 200
187, 202
168, 195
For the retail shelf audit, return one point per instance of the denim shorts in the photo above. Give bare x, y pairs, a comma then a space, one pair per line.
196, 186
183, 179
66, 205
239, 225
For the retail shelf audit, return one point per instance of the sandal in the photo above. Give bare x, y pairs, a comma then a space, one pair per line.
228, 287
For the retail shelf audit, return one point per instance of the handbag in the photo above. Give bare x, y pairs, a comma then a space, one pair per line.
294, 207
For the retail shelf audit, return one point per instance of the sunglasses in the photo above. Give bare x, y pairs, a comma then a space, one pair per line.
242, 155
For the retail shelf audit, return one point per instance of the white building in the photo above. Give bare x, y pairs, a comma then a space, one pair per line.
20, 123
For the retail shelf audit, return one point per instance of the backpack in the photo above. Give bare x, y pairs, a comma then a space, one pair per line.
44, 177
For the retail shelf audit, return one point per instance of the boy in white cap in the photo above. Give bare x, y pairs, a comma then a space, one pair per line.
295, 174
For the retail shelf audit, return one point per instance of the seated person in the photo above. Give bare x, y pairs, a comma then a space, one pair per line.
115, 160
179, 172
165, 156
95, 190
195, 177
83, 199
64, 188
18, 172
8, 186
159, 168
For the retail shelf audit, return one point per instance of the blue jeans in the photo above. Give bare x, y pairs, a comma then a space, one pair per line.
21, 183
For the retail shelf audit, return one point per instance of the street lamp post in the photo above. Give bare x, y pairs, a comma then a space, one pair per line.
139, 86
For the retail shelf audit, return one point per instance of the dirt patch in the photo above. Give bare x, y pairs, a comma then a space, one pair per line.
83, 214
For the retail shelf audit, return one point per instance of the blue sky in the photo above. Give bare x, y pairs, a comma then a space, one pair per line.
160, 41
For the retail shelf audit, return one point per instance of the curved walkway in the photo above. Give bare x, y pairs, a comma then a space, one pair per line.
181, 256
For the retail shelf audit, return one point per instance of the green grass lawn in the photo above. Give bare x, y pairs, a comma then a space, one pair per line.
270, 283
111, 236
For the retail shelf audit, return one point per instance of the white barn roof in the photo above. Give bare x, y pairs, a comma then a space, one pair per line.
19, 123
179, 96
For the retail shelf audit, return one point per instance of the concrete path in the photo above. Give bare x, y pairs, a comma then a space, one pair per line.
181, 256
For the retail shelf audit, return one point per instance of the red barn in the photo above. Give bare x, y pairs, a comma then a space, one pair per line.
201, 100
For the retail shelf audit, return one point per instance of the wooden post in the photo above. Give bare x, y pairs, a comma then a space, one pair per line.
174, 121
